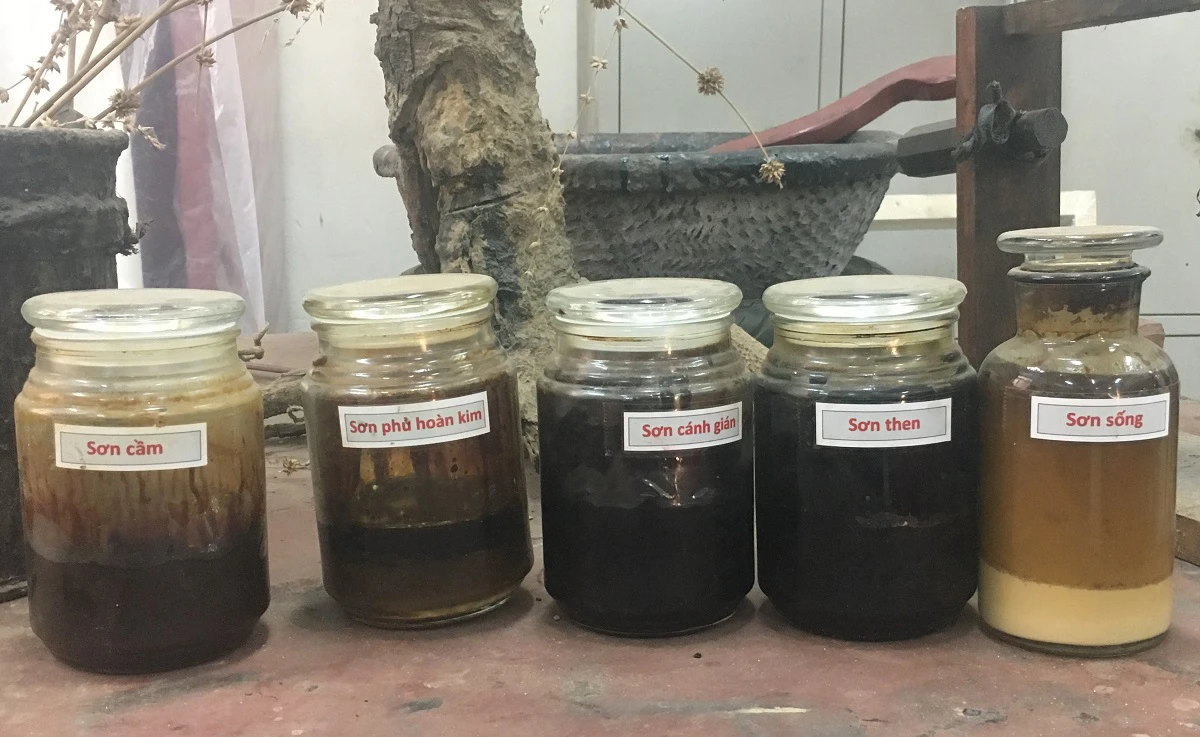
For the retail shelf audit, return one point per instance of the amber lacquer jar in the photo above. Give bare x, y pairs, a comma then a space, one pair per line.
867, 457
646, 456
140, 444
1079, 420
414, 435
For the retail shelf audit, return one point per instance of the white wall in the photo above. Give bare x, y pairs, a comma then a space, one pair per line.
342, 222
1131, 93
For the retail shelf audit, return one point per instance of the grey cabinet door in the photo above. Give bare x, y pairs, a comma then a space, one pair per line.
769, 52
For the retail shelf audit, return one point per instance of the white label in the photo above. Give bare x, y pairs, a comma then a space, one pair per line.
420, 423
683, 429
1100, 420
130, 448
896, 425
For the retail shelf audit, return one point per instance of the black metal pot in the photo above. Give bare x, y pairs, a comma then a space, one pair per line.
61, 226
659, 205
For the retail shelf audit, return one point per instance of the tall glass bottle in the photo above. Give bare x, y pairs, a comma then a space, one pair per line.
1079, 424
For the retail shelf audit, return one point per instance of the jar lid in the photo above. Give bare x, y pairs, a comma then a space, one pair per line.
123, 314
413, 299
637, 304
1081, 248
878, 303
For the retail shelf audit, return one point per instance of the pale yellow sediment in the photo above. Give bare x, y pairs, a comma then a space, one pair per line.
1072, 616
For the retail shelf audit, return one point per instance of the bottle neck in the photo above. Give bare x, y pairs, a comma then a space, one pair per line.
643, 347
160, 360
1075, 305
359, 341
644, 341
905, 352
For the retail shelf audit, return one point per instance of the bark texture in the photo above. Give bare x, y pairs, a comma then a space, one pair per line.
476, 160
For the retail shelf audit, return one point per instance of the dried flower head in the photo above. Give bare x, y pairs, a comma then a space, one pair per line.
598, 63
710, 82
3, 95
603, 4
151, 137
587, 98
771, 172
296, 7
206, 57
292, 465
124, 103
126, 23
620, 24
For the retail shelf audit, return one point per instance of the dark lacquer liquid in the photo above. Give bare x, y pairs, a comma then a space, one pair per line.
422, 534
137, 619
643, 543
866, 543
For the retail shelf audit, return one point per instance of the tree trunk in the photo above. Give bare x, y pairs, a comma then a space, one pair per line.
475, 161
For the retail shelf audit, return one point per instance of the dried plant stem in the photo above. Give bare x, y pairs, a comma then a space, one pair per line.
191, 53
101, 20
587, 95
111, 53
625, 9
63, 22
71, 56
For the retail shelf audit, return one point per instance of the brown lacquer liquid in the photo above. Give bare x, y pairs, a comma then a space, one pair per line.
1078, 537
138, 571
866, 543
644, 543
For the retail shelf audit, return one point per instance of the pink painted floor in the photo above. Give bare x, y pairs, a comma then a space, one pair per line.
524, 671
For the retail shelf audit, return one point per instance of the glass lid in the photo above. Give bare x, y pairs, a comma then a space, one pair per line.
122, 314
633, 304
865, 304
1080, 248
415, 298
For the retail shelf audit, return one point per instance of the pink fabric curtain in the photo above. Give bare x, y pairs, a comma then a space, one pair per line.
213, 198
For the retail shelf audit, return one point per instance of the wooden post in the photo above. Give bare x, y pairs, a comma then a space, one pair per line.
995, 193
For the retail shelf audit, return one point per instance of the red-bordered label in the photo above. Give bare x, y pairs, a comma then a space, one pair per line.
1121, 420
895, 425
683, 429
418, 423
87, 448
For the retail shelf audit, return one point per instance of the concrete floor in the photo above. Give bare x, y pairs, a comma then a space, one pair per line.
524, 671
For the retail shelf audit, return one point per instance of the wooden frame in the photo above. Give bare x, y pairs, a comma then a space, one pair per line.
1019, 46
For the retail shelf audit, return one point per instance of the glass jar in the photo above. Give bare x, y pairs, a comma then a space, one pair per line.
140, 445
415, 441
1080, 418
867, 457
646, 457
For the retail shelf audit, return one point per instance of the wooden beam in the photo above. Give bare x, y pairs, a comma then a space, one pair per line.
996, 193
1056, 16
